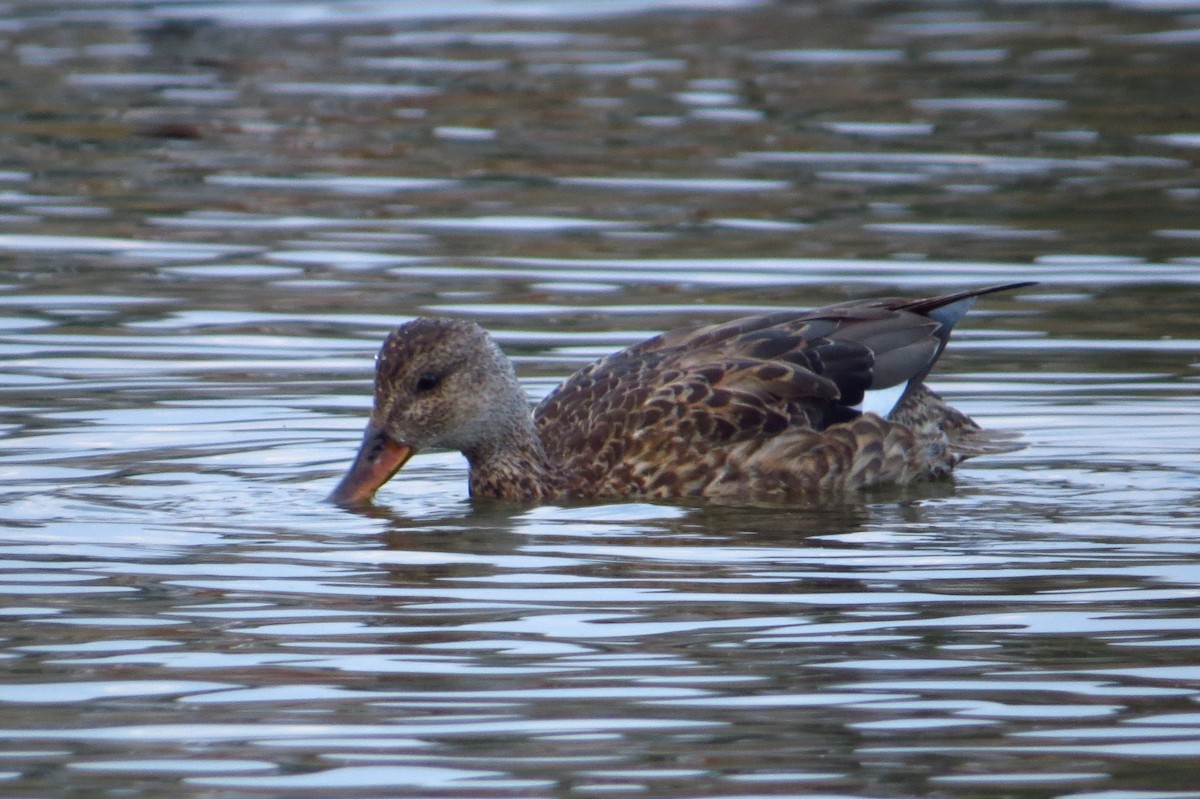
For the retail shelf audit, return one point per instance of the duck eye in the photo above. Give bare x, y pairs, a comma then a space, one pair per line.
428, 382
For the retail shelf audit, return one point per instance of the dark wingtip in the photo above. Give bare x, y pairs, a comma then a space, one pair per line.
949, 308
933, 303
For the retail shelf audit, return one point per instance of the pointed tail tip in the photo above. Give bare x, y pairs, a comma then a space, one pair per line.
988, 442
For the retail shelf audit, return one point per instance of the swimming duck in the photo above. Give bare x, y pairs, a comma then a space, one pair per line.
766, 407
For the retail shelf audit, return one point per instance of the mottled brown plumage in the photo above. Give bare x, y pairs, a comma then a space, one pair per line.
764, 407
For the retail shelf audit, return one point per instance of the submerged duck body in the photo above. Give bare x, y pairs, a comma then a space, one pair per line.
766, 407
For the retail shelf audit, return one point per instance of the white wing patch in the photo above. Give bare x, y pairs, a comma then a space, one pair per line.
882, 401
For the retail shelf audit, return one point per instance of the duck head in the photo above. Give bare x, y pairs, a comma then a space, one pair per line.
438, 383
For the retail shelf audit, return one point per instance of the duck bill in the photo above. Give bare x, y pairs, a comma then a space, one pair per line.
378, 459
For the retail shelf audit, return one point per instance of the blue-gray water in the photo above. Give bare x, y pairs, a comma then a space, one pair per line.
210, 213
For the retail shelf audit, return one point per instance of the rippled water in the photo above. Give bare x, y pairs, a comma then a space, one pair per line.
210, 213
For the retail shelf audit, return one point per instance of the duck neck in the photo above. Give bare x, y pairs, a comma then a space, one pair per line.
512, 464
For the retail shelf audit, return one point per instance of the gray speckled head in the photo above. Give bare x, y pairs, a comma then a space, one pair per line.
444, 383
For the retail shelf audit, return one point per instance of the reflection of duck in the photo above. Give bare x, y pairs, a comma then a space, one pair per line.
766, 407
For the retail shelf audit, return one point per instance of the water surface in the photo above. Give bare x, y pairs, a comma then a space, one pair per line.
210, 214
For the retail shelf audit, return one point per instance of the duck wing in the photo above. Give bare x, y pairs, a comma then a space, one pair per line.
687, 392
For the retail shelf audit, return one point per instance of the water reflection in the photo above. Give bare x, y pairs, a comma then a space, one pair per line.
213, 212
